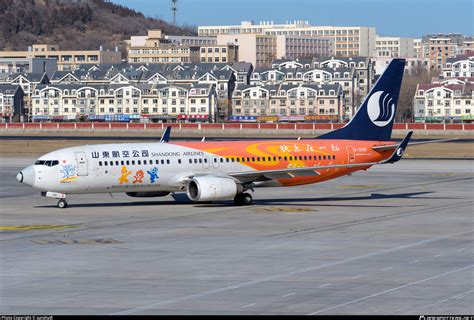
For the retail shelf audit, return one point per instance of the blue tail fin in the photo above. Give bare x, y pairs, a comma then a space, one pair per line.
374, 118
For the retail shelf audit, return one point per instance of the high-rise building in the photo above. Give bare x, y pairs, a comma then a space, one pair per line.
347, 41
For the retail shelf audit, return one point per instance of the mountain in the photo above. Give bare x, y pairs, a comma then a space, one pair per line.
74, 24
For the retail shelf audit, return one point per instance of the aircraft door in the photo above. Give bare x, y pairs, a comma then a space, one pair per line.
350, 155
81, 159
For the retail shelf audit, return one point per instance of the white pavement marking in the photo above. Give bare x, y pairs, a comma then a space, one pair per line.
414, 261
248, 305
390, 290
289, 294
461, 249
439, 255
325, 285
387, 268
282, 275
360, 275
458, 296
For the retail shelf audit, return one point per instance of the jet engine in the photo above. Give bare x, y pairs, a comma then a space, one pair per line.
208, 188
147, 194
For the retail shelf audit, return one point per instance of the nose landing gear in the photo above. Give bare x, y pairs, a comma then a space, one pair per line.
62, 204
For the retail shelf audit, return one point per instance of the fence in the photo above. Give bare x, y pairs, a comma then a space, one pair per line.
198, 127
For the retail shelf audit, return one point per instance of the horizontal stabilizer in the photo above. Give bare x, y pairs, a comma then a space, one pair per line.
393, 146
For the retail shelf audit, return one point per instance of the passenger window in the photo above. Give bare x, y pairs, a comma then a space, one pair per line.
200, 160
105, 163
133, 162
116, 163
274, 158
238, 159
248, 159
215, 160
167, 161
128, 163
179, 161
205, 160
305, 157
122, 162
162, 161
191, 161
144, 161
139, 162
195, 160
319, 157
285, 159
100, 163
253, 159
334, 157
222, 160
324, 157
258, 159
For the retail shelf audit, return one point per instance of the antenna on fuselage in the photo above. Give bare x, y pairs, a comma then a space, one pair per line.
203, 139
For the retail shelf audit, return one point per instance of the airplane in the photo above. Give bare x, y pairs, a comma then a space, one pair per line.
226, 170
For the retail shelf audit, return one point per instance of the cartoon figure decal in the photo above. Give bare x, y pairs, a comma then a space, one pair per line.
153, 174
69, 173
125, 173
139, 176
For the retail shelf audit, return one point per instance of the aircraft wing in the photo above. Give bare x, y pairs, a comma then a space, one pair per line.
265, 175
393, 146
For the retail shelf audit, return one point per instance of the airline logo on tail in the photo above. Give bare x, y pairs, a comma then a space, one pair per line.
380, 109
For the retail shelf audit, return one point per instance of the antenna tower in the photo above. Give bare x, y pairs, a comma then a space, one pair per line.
174, 8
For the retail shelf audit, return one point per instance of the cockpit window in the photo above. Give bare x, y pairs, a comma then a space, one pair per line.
49, 163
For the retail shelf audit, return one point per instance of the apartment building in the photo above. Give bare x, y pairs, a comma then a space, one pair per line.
66, 59
28, 65
257, 49
219, 53
155, 102
306, 102
28, 83
412, 65
302, 46
459, 66
155, 48
347, 41
442, 47
449, 100
394, 47
11, 103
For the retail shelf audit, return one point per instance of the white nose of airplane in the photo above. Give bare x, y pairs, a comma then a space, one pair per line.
27, 176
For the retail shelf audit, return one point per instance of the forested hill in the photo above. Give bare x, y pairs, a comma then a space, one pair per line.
74, 24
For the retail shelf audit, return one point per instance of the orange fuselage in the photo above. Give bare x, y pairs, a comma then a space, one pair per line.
282, 154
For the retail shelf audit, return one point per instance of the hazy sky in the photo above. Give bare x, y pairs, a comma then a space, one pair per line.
409, 18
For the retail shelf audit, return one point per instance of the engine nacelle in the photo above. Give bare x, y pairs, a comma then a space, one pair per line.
209, 188
147, 194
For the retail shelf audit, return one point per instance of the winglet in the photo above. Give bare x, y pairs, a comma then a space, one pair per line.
165, 138
398, 153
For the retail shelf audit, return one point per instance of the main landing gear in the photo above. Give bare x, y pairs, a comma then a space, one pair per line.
243, 199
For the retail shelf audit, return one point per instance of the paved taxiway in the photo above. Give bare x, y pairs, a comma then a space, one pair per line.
398, 239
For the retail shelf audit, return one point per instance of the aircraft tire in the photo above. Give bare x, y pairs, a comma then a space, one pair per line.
243, 199
62, 204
